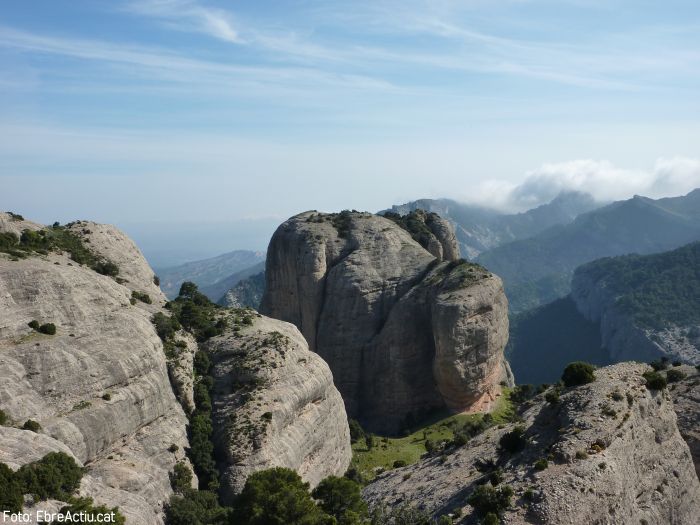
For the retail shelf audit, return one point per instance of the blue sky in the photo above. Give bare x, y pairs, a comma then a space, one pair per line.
242, 112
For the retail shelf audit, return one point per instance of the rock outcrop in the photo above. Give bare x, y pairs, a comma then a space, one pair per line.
615, 456
274, 404
686, 403
403, 331
99, 387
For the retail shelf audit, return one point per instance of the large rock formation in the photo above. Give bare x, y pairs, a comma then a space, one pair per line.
403, 331
615, 456
99, 387
274, 404
686, 403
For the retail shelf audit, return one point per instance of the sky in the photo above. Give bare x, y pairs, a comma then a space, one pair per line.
208, 116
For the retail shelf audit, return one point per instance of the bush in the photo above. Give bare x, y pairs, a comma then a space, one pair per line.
195, 507
486, 499
156, 280
181, 477
552, 396
11, 494
369, 441
48, 328
107, 396
165, 326
106, 268
541, 464
578, 373
513, 441
490, 519
3, 418
55, 476
655, 380
430, 446
673, 375
201, 363
356, 431
399, 463
581, 454
277, 496
34, 325
342, 499
32, 425
141, 296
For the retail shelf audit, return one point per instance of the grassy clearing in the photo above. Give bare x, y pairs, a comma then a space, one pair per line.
410, 448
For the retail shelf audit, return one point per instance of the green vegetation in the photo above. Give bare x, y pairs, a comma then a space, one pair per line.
195, 507
141, 296
655, 290
513, 441
277, 496
15, 217
55, 239
674, 375
541, 464
341, 222
181, 477
489, 499
578, 373
342, 499
32, 425
409, 449
55, 476
655, 380
462, 273
3, 418
194, 312
46, 328
416, 223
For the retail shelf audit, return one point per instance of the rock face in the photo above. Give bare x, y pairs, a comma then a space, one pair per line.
616, 456
403, 332
99, 387
274, 404
686, 403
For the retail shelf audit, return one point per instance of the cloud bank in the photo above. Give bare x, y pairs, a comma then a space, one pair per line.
600, 178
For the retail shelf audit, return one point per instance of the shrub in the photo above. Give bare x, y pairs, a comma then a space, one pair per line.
3, 418
48, 328
541, 464
445, 520
201, 363
552, 396
173, 448
106, 268
578, 373
165, 326
278, 496
491, 519
513, 441
34, 325
356, 431
107, 396
195, 507
11, 493
460, 439
181, 477
496, 477
399, 463
673, 375
655, 380
581, 454
141, 296
156, 280
342, 499
369, 441
430, 446
32, 425
486, 499
55, 476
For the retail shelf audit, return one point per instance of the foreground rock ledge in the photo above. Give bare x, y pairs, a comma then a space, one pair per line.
616, 456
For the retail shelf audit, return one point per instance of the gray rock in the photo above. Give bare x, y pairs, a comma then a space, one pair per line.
274, 404
103, 345
403, 333
686, 403
637, 468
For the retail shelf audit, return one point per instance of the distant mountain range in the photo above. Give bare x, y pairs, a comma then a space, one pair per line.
538, 270
214, 276
480, 229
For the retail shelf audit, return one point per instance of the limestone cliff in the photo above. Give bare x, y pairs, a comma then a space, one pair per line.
614, 453
99, 387
686, 403
403, 331
274, 404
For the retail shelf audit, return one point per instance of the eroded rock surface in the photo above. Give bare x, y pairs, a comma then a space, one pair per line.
274, 404
615, 456
99, 387
403, 331
686, 403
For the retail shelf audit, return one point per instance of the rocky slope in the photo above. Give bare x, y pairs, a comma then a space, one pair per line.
403, 332
99, 387
247, 293
646, 306
615, 456
686, 403
274, 404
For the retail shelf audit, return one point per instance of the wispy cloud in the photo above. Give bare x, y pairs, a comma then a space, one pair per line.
189, 15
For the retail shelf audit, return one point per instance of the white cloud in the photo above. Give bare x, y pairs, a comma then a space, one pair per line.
600, 178
188, 15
